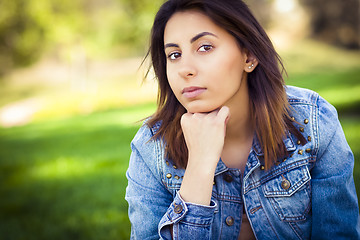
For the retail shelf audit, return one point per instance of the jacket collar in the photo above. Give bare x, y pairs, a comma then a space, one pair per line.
256, 148
288, 142
220, 168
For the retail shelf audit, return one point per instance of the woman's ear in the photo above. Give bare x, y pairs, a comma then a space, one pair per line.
251, 62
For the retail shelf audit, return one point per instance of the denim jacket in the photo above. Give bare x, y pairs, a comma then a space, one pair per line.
308, 195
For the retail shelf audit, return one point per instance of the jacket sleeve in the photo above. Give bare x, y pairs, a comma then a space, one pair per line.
335, 207
188, 220
153, 210
147, 197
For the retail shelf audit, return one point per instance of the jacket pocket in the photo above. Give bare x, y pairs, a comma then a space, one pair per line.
289, 194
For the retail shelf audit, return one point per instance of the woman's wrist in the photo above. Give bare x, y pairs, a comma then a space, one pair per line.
197, 183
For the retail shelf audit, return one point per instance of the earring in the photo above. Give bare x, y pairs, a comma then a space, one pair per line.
250, 67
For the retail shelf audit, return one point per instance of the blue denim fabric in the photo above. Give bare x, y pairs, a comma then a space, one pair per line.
308, 195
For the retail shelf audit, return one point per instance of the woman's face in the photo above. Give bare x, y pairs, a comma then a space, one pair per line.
205, 67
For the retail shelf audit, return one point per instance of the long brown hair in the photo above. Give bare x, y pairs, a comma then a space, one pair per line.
269, 106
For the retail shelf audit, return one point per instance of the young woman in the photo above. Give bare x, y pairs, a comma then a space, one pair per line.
231, 152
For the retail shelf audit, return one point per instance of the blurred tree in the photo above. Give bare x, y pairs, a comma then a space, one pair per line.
27, 28
102, 27
335, 21
21, 34
138, 19
115, 28
260, 9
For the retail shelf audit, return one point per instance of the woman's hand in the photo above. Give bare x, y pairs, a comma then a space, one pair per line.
204, 136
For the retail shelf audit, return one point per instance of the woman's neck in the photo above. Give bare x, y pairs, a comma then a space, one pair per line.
240, 126
239, 136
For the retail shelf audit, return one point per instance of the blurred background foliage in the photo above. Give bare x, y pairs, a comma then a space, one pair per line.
71, 97
118, 28
105, 28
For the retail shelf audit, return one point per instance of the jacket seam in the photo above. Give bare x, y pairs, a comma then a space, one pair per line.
257, 194
316, 126
295, 231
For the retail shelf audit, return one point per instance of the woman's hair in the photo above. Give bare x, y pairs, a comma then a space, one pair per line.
269, 106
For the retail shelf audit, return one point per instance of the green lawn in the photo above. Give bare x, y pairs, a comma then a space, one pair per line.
64, 177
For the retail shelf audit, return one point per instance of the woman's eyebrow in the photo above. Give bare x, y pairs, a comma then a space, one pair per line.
171, 45
196, 37
200, 35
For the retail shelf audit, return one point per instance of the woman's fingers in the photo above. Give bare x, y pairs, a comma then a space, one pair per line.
224, 114
204, 133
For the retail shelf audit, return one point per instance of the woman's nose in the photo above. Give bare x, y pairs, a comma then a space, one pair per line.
187, 69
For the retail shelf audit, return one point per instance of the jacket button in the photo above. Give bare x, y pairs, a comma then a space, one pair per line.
301, 129
228, 178
168, 175
229, 221
309, 138
178, 208
298, 142
300, 151
285, 184
306, 121
308, 150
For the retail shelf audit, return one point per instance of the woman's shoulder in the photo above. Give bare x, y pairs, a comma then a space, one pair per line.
145, 133
315, 117
301, 96
150, 151
146, 144
298, 95
146, 149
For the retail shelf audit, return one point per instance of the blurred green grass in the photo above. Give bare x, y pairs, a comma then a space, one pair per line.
63, 177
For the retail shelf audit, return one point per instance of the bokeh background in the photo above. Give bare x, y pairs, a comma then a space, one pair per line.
72, 95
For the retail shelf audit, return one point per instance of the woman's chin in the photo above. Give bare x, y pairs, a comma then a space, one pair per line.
201, 109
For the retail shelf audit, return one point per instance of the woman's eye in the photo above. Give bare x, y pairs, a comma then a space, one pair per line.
174, 55
205, 48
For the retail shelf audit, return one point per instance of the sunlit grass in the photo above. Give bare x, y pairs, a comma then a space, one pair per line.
62, 168
332, 72
342, 95
339, 88
49, 96
351, 126
308, 57
109, 95
65, 178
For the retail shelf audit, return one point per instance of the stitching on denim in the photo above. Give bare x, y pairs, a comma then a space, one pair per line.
299, 102
301, 217
285, 168
229, 200
316, 125
254, 210
293, 227
255, 184
267, 216
299, 184
195, 224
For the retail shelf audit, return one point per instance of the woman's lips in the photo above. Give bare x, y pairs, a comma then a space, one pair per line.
192, 92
